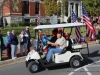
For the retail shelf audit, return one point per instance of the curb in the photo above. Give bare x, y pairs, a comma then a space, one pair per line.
21, 59
92, 43
12, 61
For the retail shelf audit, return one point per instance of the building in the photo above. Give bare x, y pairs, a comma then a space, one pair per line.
76, 6
27, 10
24, 10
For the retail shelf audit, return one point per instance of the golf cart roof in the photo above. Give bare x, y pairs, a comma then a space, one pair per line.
58, 25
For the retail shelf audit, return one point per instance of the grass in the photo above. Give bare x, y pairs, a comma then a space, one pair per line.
48, 31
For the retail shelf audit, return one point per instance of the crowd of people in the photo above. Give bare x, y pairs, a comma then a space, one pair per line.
24, 41
12, 42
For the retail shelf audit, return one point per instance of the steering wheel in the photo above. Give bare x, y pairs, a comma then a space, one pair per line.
45, 39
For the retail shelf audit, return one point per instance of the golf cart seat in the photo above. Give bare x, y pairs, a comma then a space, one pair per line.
76, 46
70, 46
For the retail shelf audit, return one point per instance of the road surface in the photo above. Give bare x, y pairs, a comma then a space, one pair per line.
91, 66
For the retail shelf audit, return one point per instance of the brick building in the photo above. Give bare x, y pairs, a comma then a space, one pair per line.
27, 10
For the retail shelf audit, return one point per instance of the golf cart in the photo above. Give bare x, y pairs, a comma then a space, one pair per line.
70, 56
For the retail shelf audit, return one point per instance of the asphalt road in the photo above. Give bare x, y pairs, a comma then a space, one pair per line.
91, 66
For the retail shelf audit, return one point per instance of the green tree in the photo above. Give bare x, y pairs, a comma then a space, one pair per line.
50, 7
92, 6
59, 9
54, 7
65, 7
10, 4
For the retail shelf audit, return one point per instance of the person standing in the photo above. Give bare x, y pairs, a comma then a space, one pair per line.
1, 43
14, 43
23, 42
8, 44
28, 38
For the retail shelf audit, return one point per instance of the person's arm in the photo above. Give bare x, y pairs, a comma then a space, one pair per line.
6, 40
53, 44
26, 35
12, 37
21, 37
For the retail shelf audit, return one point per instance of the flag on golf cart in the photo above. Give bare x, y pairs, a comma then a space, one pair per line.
38, 20
77, 28
89, 26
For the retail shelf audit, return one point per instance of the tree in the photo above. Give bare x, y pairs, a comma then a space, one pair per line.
92, 6
54, 7
13, 3
50, 7
10, 4
65, 7
1, 2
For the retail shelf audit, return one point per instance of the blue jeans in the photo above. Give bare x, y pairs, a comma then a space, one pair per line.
52, 51
13, 50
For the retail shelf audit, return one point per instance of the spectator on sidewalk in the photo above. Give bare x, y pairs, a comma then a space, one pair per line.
23, 42
28, 38
1, 42
14, 43
8, 44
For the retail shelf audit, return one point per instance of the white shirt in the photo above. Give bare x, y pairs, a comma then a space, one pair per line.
21, 37
62, 42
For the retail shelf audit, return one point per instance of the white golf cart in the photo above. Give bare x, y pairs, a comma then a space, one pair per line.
70, 56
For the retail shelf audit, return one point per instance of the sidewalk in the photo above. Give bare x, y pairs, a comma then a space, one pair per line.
5, 57
6, 60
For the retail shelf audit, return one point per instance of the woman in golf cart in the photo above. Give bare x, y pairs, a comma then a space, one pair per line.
60, 45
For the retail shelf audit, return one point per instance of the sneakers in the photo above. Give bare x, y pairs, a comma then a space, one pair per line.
45, 61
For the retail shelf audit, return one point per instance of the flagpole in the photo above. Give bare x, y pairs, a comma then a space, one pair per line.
82, 19
71, 19
71, 13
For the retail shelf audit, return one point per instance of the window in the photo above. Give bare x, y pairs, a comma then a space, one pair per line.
25, 7
72, 4
76, 9
36, 8
47, 20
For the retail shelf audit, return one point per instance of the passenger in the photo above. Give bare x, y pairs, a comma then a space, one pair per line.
66, 35
60, 45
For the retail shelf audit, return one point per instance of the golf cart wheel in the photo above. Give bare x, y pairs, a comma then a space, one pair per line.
75, 62
33, 67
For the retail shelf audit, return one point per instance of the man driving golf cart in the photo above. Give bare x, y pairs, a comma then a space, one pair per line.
60, 44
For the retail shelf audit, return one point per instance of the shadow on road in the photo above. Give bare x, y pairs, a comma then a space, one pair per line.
89, 59
59, 67
95, 54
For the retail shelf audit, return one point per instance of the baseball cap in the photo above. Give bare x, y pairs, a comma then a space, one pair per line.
59, 29
8, 32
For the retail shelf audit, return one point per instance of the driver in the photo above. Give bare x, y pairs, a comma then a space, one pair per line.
60, 45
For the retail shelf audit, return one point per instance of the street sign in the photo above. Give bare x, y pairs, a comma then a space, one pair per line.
53, 19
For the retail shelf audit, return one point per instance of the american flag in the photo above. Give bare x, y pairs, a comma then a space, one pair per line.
99, 18
89, 26
38, 20
77, 29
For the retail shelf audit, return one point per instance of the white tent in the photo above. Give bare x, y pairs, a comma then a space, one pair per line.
58, 25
